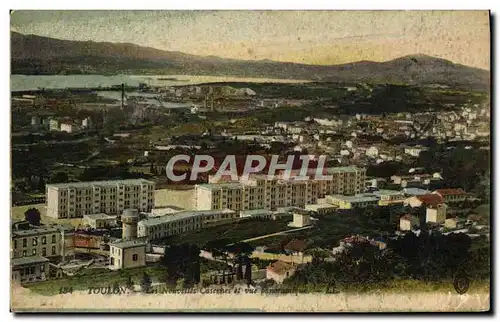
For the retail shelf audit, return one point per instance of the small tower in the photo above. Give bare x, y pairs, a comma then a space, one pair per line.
130, 218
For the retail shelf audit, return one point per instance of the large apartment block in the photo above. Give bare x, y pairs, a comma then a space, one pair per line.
261, 192
74, 200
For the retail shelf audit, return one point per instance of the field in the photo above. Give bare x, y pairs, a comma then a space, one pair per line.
230, 232
102, 279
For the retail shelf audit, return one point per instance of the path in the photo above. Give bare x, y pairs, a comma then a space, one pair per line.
276, 234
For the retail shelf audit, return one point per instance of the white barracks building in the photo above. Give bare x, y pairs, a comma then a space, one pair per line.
260, 192
74, 200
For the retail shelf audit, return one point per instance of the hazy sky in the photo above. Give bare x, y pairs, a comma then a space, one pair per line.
313, 37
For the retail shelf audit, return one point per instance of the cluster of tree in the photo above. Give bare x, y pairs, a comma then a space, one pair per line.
145, 284
109, 173
434, 257
386, 169
468, 169
182, 262
427, 257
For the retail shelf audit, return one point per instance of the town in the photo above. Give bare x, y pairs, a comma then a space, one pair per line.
92, 202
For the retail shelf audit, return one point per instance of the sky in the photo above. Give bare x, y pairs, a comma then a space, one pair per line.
311, 37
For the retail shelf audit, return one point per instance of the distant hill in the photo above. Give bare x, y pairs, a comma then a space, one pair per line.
32, 54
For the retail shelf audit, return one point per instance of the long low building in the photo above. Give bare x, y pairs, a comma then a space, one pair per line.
320, 208
169, 225
351, 202
389, 197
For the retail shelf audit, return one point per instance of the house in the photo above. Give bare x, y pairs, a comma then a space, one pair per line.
415, 151
454, 223
424, 200
127, 254
301, 218
296, 247
279, 271
97, 221
357, 239
408, 222
436, 213
30, 269
452, 195
372, 152
69, 127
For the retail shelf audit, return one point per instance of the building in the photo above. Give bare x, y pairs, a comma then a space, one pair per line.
165, 210
301, 218
452, 195
160, 227
54, 125
29, 269
90, 238
454, 223
296, 247
97, 221
372, 152
86, 122
127, 254
408, 222
415, 150
258, 213
351, 202
74, 200
35, 120
436, 213
279, 271
350, 241
50, 242
389, 197
410, 192
262, 192
424, 200
320, 208
69, 127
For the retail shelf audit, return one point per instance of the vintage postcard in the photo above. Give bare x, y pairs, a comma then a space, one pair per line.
250, 161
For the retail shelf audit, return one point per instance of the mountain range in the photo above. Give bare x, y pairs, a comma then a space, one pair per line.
33, 55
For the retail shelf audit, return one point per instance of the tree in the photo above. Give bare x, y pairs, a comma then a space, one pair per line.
152, 169
130, 283
146, 283
248, 271
32, 215
242, 252
41, 184
182, 261
59, 177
